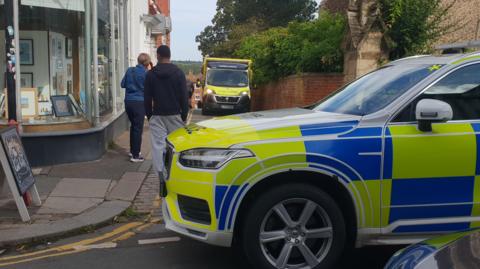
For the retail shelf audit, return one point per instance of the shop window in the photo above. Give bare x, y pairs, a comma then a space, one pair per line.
3, 97
52, 61
105, 97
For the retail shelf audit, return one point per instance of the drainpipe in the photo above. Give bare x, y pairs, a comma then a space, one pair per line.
18, 67
113, 57
12, 53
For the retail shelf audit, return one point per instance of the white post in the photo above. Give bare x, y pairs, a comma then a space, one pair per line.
88, 62
113, 57
96, 102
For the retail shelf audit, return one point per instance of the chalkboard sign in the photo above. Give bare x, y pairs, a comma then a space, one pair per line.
21, 170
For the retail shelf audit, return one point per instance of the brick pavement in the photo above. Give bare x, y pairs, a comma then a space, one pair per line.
147, 200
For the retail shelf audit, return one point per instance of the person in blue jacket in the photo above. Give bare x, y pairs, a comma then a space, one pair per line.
133, 82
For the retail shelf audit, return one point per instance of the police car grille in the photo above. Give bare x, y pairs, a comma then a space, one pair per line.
193, 209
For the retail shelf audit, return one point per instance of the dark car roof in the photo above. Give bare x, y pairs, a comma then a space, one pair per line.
441, 59
462, 253
455, 250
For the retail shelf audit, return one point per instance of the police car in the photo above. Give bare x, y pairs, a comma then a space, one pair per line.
391, 158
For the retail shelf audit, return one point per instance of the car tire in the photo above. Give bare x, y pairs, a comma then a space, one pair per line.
324, 233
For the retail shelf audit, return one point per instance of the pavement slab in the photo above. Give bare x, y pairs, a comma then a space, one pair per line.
112, 166
128, 186
68, 205
81, 188
46, 184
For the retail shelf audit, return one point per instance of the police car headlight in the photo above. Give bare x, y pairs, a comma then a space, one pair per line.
210, 91
211, 158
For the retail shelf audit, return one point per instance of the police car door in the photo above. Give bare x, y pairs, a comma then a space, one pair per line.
433, 177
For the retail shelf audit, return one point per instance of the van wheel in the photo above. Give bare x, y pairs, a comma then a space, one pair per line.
293, 226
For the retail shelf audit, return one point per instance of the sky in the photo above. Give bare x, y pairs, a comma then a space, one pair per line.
189, 18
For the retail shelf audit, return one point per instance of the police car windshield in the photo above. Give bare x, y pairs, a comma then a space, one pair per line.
375, 90
227, 78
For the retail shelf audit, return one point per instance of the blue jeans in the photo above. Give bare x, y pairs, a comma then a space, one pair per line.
136, 114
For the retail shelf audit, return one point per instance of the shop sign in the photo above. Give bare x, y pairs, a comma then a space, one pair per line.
22, 172
17, 170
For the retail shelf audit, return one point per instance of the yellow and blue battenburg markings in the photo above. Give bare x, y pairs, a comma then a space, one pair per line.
424, 176
432, 176
344, 153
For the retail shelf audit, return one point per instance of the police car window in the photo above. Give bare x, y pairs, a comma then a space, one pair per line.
374, 91
460, 89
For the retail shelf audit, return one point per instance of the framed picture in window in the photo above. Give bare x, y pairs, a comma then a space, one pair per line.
62, 106
29, 102
26, 52
26, 80
68, 48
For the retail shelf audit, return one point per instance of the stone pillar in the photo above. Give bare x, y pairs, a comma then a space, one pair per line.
364, 43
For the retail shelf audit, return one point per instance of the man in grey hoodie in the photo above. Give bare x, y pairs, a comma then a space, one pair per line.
166, 106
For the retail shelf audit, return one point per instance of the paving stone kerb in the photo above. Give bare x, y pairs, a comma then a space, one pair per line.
100, 215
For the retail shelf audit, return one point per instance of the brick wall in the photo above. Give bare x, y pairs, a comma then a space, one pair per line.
294, 91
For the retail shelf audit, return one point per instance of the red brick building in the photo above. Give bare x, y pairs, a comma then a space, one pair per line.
161, 7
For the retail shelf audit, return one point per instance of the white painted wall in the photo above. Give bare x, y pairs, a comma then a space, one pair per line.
138, 38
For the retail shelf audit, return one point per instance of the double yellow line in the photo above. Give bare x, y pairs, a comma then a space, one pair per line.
119, 234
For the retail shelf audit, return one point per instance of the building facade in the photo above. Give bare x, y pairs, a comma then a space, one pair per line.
70, 58
465, 15
364, 46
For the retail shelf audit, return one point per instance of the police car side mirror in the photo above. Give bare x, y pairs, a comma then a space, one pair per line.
429, 111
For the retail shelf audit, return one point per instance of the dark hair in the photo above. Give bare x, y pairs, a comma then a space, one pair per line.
164, 52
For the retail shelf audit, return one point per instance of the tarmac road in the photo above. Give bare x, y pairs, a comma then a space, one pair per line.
154, 247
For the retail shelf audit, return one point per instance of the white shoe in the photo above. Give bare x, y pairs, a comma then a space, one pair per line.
139, 159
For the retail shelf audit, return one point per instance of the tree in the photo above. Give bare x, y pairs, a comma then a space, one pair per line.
412, 26
236, 19
274, 12
213, 35
236, 36
301, 47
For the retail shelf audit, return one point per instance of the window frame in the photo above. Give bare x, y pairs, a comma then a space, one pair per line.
391, 119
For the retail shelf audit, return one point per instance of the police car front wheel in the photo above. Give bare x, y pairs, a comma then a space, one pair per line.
293, 226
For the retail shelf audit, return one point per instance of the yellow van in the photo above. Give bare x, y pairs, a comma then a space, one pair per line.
226, 86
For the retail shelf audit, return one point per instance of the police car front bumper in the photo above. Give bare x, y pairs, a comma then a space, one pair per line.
222, 239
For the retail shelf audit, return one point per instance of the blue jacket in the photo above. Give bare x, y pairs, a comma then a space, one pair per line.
133, 82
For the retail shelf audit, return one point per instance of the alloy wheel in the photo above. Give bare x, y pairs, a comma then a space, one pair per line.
296, 233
